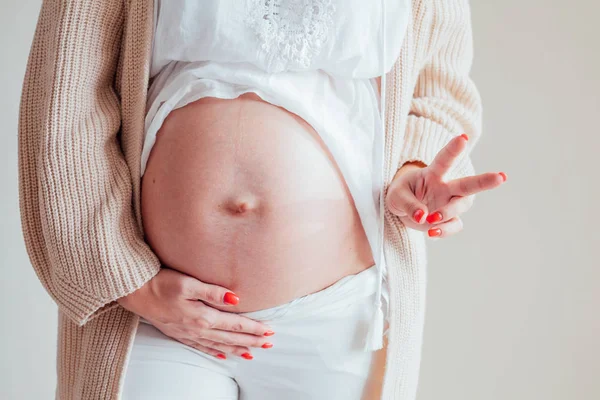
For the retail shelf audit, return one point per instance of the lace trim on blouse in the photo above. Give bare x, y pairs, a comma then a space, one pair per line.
292, 32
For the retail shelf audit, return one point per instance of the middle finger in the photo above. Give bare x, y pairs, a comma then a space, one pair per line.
225, 348
473, 184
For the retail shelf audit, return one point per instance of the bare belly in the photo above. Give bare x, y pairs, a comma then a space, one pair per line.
244, 194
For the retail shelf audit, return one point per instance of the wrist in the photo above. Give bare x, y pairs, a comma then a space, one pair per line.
130, 300
410, 165
414, 163
124, 301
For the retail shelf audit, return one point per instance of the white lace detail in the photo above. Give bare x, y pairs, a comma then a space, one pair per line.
292, 32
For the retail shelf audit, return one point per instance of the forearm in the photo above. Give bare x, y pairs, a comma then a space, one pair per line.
75, 191
446, 102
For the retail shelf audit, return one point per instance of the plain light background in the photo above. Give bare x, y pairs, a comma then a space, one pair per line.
512, 309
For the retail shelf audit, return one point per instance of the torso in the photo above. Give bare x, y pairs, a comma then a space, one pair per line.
244, 194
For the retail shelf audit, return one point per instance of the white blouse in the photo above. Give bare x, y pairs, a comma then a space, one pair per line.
316, 58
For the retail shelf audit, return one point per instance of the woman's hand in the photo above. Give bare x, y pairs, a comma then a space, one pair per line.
423, 201
174, 303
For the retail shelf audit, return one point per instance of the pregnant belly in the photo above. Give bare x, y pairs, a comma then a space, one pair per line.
244, 194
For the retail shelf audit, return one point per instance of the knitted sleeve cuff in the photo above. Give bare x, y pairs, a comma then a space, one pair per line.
81, 306
75, 187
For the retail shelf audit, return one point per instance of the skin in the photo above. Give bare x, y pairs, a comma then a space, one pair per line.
242, 195
223, 217
416, 186
419, 187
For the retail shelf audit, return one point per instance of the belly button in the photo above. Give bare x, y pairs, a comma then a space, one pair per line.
241, 206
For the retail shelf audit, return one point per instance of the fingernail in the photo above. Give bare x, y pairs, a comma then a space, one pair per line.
222, 356
269, 333
434, 232
247, 356
435, 217
231, 298
503, 175
465, 136
267, 345
418, 215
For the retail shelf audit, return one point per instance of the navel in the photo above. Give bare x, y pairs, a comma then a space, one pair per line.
241, 205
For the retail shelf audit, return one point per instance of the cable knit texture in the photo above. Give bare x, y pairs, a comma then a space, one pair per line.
81, 121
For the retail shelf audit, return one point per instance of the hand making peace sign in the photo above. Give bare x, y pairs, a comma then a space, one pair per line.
424, 201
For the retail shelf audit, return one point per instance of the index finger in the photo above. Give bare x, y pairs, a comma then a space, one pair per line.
448, 154
232, 322
213, 294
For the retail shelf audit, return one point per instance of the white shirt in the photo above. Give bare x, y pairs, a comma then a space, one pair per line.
315, 58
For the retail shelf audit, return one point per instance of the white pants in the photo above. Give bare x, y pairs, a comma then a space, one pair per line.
317, 353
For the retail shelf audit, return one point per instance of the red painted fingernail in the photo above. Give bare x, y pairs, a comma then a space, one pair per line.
434, 232
267, 345
222, 356
465, 136
247, 356
269, 333
418, 215
231, 298
435, 217
503, 175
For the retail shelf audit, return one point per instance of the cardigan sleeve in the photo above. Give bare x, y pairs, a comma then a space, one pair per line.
445, 101
75, 188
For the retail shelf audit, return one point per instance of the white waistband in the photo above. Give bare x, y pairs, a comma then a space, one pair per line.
349, 289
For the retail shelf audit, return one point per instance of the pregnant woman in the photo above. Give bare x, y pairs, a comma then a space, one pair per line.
227, 201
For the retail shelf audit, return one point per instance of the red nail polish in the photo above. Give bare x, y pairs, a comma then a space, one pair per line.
247, 356
231, 298
503, 175
435, 217
222, 356
418, 215
434, 232
465, 136
269, 333
267, 345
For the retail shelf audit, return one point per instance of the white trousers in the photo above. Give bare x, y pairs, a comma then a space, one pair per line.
317, 353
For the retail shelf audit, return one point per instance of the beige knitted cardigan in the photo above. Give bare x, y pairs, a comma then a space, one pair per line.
81, 122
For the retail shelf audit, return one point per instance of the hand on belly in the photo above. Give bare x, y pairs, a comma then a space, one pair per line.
243, 194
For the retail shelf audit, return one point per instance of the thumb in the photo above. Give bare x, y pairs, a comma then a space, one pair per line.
401, 201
